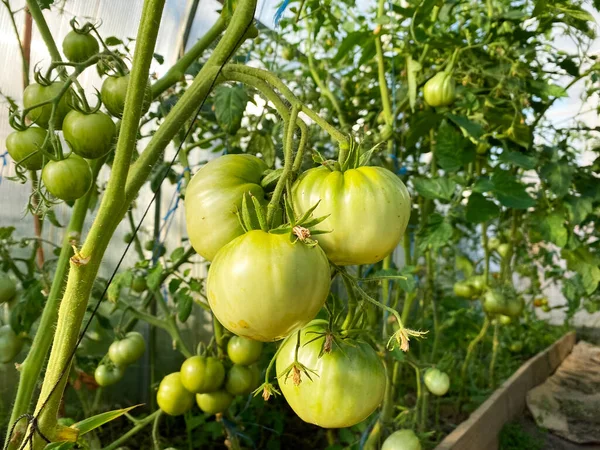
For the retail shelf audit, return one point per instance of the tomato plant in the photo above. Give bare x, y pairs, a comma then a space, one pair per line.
67, 179
127, 350
113, 92
201, 374
107, 375
90, 136
172, 397
8, 288
243, 351
437, 381
24, 147
440, 90
214, 402
78, 46
36, 93
10, 344
402, 440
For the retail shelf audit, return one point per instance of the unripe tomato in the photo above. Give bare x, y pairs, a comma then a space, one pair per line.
503, 250
477, 282
79, 47
546, 308
201, 374
493, 243
440, 90
516, 346
127, 238
463, 289
10, 344
243, 351
128, 350
514, 306
504, 320
214, 402
113, 92
494, 302
402, 440
69, 178
107, 375
36, 93
263, 286
90, 136
240, 380
214, 196
172, 397
287, 53
368, 209
138, 284
437, 382
22, 144
347, 384
8, 288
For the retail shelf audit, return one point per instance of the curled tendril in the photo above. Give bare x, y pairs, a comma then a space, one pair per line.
39, 78
85, 29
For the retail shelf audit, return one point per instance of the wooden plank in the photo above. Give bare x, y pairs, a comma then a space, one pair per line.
480, 431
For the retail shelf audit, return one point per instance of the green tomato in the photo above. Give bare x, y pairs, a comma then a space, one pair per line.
347, 384
90, 136
493, 243
200, 374
240, 380
514, 307
79, 47
113, 92
437, 382
516, 346
263, 286
128, 350
127, 238
26, 144
69, 178
107, 375
368, 210
477, 282
287, 53
494, 302
504, 320
463, 289
138, 284
214, 402
402, 440
503, 250
8, 288
149, 245
10, 344
172, 397
440, 90
214, 196
36, 93
546, 308
243, 351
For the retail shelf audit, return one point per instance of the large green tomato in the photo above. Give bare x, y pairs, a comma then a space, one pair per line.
243, 351
437, 382
214, 402
240, 380
263, 286
440, 90
114, 91
172, 397
8, 288
463, 289
79, 47
106, 375
347, 384
36, 93
90, 136
26, 144
494, 302
69, 178
201, 374
215, 195
127, 351
368, 210
514, 307
10, 344
402, 440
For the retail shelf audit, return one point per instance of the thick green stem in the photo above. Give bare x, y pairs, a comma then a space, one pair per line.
177, 72
495, 346
326, 92
470, 349
34, 362
383, 89
219, 338
387, 408
385, 292
40, 21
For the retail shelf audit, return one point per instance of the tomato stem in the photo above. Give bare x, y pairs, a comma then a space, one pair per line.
495, 348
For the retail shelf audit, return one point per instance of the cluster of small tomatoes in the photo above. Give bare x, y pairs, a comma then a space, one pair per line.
10, 342
89, 132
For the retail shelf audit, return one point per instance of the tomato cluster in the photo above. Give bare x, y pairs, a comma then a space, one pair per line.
121, 353
10, 343
206, 379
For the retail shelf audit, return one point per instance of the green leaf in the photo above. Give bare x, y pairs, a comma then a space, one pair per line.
120, 281
154, 276
420, 124
468, 127
436, 188
479, 209
576, 12
30, 303
6, 232
262, 144
519, 159
51, 216
452, 149
347, 45
520, 134
540, 7
412, 70
558, 175
436, 233
177, 253
229, 105
184, 305
578, 208
552, 228
509, 191
483, 184
586, 264
91, 423
111, 41
60, 446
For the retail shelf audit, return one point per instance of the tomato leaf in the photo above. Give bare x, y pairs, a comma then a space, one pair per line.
91, 423
558, 175
519, 159
509, 191
436, 188
412, 69
452, 149
120, 281
29, 307
154, 276
348, 43
468, 127
586, 264
578, 208
229, 105
479, 209
436, 233
261, 144
552, 228
184, 304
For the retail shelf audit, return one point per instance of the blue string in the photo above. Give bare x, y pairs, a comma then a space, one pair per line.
280, 11
4, 164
